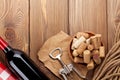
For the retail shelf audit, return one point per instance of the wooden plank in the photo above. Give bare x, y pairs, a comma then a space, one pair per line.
47, 17
14, 23
88, 15
113, 12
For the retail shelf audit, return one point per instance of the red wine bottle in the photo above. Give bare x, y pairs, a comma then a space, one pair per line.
20, 64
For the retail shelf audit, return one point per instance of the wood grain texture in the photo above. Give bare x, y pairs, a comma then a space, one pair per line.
47, 17
113, 12
27, 24
88, 15
14, 22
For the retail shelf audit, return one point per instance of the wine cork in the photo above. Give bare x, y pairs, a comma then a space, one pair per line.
81, 48
90, 65
102, 51
74, 40
95, 52
81, 55
90, 47
78, 42
98, 39
95, 42
88, 41
79, 34
74, 53
78, 60
86, 56
96, 57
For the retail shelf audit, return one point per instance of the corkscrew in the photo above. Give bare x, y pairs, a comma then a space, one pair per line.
67, 69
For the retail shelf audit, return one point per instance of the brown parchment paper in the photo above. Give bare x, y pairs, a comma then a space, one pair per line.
61, 40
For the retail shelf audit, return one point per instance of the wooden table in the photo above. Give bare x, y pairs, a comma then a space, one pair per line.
27, 24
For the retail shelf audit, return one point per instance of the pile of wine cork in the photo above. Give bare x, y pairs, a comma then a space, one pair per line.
87, 49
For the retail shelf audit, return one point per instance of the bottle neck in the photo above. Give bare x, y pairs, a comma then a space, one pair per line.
4, 46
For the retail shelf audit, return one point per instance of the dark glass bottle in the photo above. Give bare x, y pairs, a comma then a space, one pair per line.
20, 64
